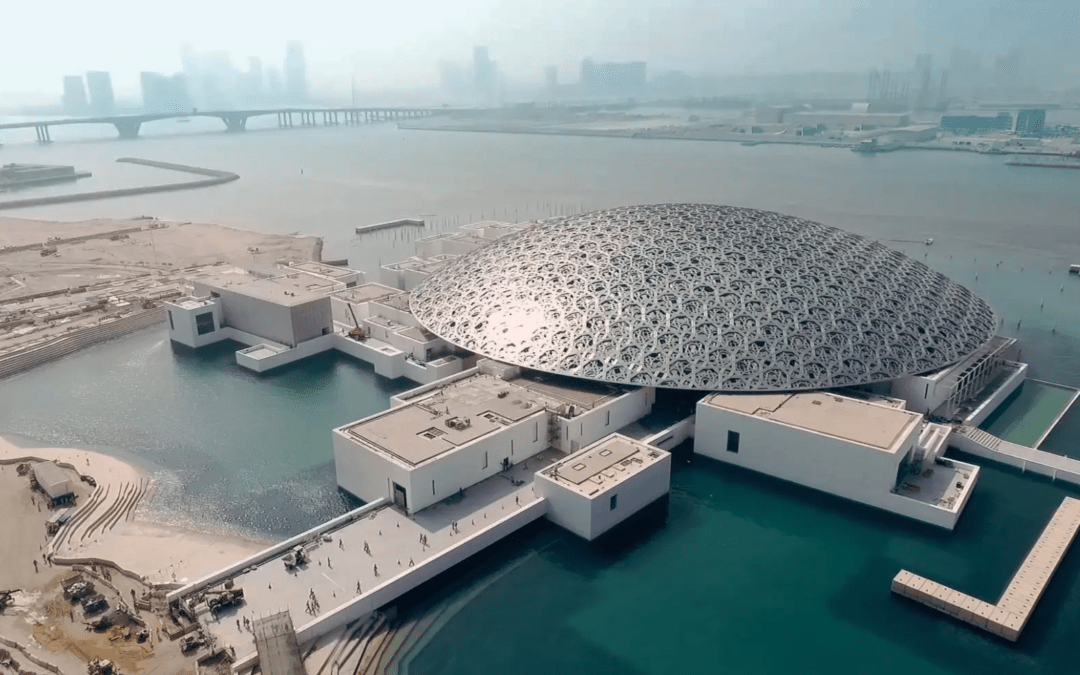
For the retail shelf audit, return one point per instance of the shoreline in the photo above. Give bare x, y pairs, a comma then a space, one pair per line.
112, 525
212, 177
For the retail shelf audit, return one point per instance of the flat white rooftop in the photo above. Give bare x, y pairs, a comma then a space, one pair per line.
603, 464
874, 425
462, 411
321, 268
341, 570
188, 302
366, 293
291, 289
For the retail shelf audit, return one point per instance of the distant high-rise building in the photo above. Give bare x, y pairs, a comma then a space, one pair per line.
613, 80
99, 85
1030, 122
274, 84
295, 72
164, 93
74, 95
454, 79
484, 74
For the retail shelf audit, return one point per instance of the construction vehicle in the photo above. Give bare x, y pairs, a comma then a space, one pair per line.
102, 667
296, 557
217, 601
94, 603
358, 332
79, 590
6, 599
191, 642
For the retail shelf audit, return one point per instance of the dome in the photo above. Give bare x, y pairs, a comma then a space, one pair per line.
706, 297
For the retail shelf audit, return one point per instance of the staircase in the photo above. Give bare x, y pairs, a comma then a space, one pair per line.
983, 438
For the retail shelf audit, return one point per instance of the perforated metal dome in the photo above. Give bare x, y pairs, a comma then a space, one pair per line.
698, 296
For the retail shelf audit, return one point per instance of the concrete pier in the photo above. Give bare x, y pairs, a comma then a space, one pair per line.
389, 224
1008, 617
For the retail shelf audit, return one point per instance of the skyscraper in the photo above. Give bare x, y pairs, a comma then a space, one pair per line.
99, 84
484, 73
74, 95
162, 93
295, 72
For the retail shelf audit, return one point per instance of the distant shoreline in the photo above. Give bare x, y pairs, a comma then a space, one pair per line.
213, 177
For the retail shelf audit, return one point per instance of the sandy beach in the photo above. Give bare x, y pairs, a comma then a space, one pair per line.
105, 527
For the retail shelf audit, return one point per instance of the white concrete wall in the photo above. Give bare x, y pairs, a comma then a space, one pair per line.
311, 320
673, 435
592, 425
412, 577
266, 319
589, 516
388, 360
825, 463
286, 356
922, 394
439, 478
182, 326
931, 513
364, 472
634, 493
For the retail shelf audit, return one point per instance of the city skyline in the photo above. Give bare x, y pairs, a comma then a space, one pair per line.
401, 48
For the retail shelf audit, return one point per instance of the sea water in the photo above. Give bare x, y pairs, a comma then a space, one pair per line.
745, 574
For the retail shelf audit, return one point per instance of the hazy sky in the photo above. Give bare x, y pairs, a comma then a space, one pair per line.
400, 43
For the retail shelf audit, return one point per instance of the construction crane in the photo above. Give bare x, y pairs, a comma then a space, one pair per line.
358, 332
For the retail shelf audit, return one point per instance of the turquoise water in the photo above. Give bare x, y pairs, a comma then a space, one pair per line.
230, 448
1028, 412
748, 575
751, 575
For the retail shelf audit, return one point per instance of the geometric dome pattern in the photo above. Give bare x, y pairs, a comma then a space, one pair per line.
706, 297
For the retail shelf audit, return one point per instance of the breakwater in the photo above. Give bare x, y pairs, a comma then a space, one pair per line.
36, 354
211, 177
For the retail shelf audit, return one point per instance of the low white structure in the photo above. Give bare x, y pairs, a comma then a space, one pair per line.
595, 489
195, 322
944, 392
874, 452
289, 313
52, 480
439, 440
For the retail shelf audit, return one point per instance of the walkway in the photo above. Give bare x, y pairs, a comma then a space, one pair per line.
977, 442
366, 556
1011, 613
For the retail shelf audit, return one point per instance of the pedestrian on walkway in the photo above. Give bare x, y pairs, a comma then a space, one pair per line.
358, 589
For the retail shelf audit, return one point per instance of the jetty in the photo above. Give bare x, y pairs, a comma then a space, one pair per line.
403, 222
1008, 617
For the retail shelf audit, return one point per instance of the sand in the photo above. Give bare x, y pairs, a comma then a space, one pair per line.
160, 554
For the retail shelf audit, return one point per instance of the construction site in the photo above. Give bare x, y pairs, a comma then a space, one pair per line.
67, 285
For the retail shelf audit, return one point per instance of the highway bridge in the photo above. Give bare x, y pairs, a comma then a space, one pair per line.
128, 126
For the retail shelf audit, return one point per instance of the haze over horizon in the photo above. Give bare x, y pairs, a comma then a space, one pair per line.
400, 46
